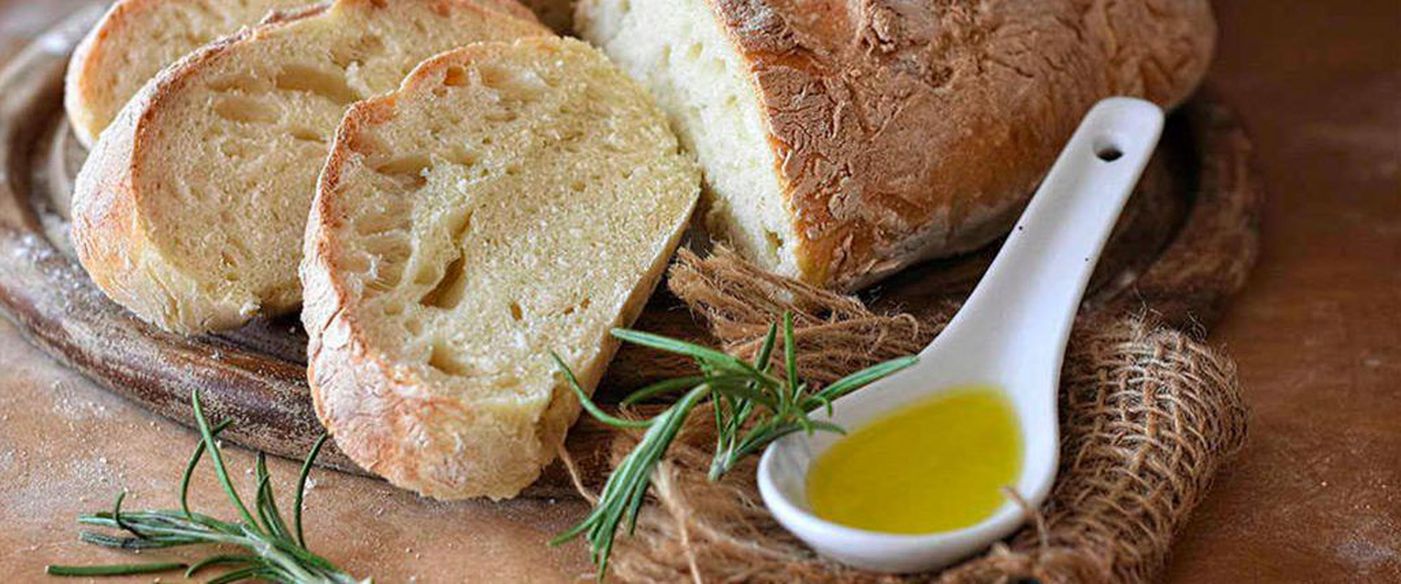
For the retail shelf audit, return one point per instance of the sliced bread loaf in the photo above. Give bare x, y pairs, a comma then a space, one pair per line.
512, 199
191, 209
843, 140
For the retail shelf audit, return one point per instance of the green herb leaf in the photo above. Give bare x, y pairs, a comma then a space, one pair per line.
588, 404
752, 408
272, 554
123, 570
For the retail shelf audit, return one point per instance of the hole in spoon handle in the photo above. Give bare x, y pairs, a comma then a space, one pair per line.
1107, 151
1027, 301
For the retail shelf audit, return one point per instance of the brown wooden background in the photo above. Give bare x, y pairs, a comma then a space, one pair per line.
1315, 497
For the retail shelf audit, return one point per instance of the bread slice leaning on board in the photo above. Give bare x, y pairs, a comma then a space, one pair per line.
511, 200
135, 39
191, 209
842, 141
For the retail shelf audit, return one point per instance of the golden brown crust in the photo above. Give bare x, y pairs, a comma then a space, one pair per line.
911, 129
79, 92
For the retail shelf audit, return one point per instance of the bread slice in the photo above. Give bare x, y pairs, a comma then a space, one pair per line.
138, 38
191, 209
844, 140
512, 199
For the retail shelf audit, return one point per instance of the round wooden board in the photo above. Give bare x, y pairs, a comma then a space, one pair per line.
1183, 247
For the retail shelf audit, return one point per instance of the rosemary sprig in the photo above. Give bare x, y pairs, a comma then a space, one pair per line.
271, 552
752, 408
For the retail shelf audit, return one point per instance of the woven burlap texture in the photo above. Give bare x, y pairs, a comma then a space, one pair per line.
1148, 416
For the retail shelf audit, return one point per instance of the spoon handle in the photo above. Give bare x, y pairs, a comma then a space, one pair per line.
1024, 306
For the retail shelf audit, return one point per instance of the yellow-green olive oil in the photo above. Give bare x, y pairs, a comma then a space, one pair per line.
937, 465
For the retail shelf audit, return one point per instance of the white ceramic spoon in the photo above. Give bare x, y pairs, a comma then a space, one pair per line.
1011, 334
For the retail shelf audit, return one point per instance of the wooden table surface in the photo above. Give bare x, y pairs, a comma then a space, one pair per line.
1315, 496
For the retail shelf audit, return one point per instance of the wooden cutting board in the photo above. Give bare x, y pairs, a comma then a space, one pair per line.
1182, 248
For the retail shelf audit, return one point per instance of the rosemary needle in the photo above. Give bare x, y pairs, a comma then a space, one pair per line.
752, 408
271, 552
126, 570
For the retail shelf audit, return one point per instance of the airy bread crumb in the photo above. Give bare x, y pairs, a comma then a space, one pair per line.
511, 200
682, 54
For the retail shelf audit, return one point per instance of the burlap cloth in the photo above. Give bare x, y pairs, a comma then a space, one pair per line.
1148, 416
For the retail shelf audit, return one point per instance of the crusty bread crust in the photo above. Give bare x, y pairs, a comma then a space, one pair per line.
992, 91
382, 412
908, 130
111, 210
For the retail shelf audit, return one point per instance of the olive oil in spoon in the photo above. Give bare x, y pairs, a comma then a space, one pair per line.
938, 465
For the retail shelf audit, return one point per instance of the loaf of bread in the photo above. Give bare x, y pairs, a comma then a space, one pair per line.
843, 140
509, 201
191, 209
